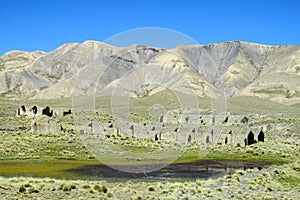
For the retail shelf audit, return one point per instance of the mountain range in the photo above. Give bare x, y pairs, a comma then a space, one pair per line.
234, 68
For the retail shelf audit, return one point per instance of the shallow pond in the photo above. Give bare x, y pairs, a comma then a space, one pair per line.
94, 170
185, 171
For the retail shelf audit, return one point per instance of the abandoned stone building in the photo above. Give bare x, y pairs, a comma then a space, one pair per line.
180, 126
186, 128
36, 111
43, 119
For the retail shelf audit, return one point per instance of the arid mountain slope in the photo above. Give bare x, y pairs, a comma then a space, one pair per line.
237, 68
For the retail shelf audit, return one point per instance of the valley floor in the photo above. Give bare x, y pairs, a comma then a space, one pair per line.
40, 165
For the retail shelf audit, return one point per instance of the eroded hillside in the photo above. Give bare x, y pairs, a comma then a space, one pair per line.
238, 68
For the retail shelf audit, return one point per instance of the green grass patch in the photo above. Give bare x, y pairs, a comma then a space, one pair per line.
274, 159
39, 168
292, 182
136, 149
193, 156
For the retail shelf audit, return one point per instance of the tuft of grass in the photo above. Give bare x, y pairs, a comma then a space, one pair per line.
22, 189
151, 189
101, 188
86, 187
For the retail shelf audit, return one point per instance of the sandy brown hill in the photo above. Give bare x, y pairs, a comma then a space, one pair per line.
237, 68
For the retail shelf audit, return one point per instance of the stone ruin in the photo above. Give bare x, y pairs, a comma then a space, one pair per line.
186, 127
182, 126
37, 111
43, 119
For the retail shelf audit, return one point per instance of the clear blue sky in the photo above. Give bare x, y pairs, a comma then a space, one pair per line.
46, 24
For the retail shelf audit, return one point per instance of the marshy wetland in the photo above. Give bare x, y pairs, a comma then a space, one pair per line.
57, 165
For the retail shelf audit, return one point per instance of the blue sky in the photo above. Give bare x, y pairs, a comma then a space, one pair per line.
46, 24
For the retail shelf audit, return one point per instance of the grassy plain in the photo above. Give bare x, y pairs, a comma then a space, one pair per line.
36, 165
